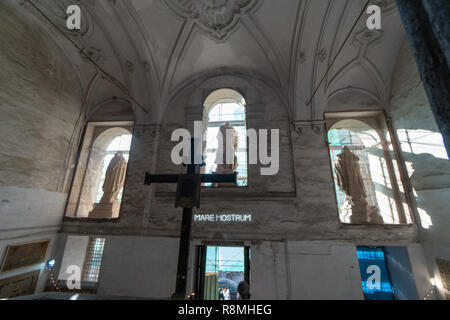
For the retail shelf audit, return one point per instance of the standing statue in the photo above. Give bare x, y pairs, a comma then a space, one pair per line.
349, 179
114, 181
221, 156
114, 178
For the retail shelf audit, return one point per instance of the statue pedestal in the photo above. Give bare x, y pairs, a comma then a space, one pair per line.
224, 185
105, 210
364, 213
359, 213
374, 216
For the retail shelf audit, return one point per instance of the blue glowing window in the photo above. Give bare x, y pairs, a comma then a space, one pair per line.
375, 278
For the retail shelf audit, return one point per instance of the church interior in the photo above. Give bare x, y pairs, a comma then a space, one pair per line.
338, 179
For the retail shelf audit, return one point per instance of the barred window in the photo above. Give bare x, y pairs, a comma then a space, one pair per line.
93, 259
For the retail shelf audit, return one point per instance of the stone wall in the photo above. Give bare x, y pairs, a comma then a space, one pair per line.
39, 107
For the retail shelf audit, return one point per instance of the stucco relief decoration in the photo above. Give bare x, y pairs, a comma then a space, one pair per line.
215, 18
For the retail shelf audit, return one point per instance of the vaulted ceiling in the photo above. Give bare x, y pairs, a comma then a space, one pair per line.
154, 46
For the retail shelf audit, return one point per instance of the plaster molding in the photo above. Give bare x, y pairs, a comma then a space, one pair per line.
217, 19
317, 126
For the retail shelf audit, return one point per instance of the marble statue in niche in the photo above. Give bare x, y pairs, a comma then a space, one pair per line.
114, 178
350, 181
226, 131
114, 181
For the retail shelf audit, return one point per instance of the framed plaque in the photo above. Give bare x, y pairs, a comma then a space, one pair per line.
24, 255
20, 285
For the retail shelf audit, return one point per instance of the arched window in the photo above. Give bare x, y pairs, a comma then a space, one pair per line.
226, 106
366, 184
103, 142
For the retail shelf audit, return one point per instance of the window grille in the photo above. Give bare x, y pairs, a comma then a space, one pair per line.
93, 259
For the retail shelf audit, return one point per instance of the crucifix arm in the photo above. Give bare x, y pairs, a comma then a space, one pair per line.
215, 178
205, 178
161, 178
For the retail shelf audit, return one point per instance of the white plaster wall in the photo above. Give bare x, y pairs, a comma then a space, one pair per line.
420, 270
139, 267
24, 208
263, 266
74, 254
304, 270
323, 271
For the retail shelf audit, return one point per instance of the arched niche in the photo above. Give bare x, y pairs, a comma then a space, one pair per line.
221, 96
265, 109
225, 106
352, 99
88, 175
105, 138
379, 182
263, 101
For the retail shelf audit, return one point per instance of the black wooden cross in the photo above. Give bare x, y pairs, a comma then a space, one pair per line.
188, 197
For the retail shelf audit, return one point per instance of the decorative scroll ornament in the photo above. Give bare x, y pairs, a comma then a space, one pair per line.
215, 18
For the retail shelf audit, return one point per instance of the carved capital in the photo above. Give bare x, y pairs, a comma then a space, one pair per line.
301, 125
151, 129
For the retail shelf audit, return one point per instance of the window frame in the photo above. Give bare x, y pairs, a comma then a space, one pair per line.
86, 260
209, 105
377, 120
92, 132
